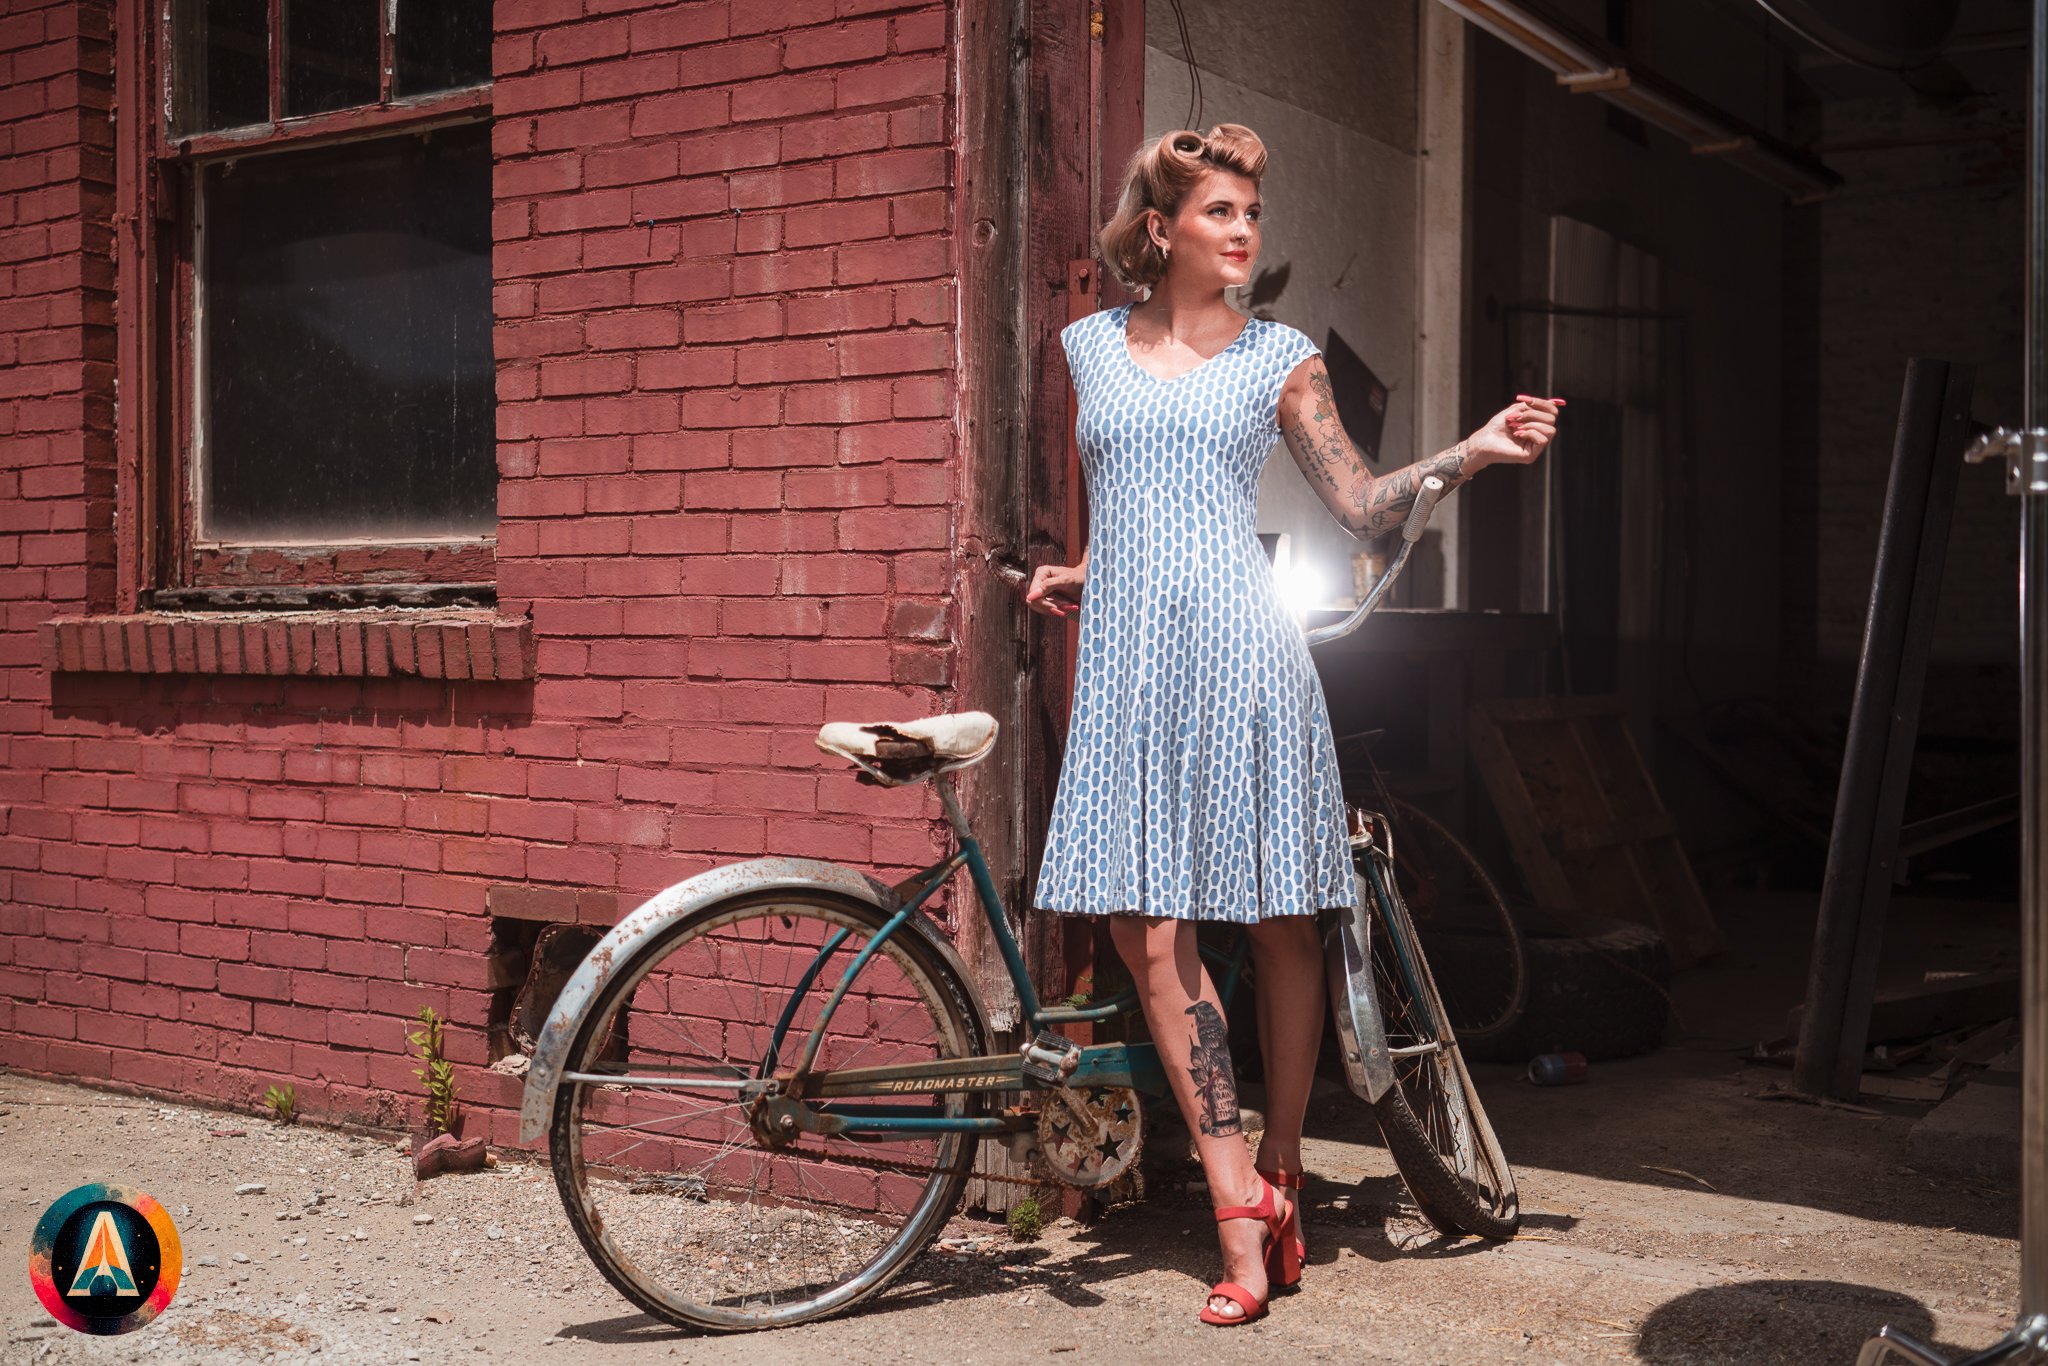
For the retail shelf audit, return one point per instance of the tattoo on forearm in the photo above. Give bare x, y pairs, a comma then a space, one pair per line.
1386, 506
1329, 459
1209, 1064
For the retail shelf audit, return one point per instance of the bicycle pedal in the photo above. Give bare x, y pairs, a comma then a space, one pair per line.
1050, 1059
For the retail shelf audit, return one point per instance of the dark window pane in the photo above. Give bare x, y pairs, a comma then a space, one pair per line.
330, 55
346, 342
221, 63
443, 44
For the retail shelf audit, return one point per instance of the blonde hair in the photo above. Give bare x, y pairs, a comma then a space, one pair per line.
1159, 177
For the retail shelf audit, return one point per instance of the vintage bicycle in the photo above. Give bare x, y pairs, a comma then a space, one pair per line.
765, 1088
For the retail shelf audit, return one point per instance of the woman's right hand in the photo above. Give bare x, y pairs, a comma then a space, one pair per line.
1056, 589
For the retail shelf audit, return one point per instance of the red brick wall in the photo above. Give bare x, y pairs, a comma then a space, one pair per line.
725, 310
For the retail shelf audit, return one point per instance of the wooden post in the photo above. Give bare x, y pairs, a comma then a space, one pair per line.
1919, 504
1027, 110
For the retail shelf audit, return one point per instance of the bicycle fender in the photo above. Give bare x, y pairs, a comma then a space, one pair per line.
661, 911
1361, 1034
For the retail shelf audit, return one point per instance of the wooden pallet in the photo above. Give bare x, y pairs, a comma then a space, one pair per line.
1585, 821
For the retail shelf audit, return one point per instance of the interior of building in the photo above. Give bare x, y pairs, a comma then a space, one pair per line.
1721, 229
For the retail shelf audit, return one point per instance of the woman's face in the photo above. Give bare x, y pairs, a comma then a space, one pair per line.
1215, 236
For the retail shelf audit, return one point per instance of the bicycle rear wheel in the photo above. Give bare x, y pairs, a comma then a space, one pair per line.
689, 1209
1448, 891
1431, 1118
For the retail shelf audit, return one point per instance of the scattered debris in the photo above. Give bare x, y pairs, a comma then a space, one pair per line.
512, 1065
447, 1153
220, 1133
1676, 1171
251, 1188
1777, 1092
423, 1219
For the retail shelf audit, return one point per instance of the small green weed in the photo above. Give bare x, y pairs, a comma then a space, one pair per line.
282, 1102
435, 1071
1026, 1220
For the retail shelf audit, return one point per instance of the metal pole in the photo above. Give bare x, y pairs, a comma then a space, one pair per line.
1919, 505
2033, 682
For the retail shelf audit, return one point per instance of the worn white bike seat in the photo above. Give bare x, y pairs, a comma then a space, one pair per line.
896, 752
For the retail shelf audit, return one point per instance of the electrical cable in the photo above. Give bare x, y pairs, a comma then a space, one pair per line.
1187, 48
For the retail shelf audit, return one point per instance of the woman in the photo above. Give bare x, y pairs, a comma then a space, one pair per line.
1200, 779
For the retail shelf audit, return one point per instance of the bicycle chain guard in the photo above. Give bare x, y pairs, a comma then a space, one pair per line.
1087, 1139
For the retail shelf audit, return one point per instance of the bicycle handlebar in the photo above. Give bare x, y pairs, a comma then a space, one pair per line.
1431, 493
1426, 498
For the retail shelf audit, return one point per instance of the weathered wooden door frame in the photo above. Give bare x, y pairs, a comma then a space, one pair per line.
1043, 84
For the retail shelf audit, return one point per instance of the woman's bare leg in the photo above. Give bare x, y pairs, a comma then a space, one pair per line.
1186, 1018
1287, 956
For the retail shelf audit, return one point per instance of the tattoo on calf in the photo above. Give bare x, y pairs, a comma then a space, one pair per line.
1209, 1064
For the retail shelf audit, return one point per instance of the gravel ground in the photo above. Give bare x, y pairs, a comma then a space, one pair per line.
1774, 1233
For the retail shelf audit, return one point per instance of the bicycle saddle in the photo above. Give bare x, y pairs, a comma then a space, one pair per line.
895, 752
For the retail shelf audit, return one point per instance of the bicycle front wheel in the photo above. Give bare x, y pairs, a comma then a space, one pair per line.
686, 1207
1453, 899
1431, 1118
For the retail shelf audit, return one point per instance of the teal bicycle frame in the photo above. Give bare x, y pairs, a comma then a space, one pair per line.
789, 1101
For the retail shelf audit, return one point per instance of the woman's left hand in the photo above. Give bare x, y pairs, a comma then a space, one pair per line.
1517, 434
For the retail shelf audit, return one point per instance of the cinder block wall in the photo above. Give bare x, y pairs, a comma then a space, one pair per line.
725, 334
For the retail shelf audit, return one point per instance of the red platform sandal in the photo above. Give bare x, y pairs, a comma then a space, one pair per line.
1283, 1262
1290, 1183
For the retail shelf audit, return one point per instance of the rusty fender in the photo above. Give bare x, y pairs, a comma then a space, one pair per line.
664, 909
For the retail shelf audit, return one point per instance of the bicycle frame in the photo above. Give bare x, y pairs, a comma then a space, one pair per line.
787, 1097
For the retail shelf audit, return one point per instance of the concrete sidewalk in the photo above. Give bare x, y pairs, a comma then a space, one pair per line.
1670, 1216
1796, 1233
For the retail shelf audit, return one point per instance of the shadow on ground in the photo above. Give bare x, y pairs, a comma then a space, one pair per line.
1765, 1323
1694, 1107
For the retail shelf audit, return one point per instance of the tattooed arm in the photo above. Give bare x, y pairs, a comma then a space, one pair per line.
1371, 505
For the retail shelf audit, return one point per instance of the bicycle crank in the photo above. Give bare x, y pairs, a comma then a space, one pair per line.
1088, 1138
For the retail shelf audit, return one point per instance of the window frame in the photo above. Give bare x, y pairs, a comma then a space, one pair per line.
159, 314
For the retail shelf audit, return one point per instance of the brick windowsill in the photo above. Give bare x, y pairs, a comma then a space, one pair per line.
472, 643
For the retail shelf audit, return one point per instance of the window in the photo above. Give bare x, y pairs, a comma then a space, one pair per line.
324, 180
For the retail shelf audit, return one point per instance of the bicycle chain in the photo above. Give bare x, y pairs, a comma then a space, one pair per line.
884, 1164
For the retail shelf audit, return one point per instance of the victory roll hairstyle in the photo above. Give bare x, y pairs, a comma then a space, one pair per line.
1159, 177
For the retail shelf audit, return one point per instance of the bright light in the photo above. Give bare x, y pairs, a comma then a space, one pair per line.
1301, 588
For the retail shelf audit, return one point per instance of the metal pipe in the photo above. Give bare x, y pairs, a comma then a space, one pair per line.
2033, 684
1585, 64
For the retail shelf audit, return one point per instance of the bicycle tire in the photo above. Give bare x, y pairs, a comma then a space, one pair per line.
937, 1198
1463, 900
1461, 1187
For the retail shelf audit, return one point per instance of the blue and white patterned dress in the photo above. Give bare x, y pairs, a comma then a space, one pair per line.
1200, 778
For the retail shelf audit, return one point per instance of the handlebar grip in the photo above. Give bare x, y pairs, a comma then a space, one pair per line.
1433, 488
